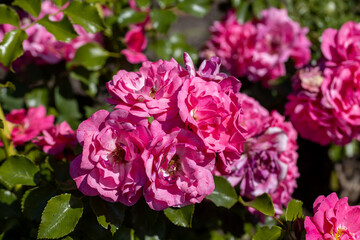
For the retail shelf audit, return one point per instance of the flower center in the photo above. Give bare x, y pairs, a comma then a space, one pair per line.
170, 173
152, 93
342, 230
118, 155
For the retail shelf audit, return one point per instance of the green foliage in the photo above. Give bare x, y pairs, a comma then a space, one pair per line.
16, 170
294, 210
162, 19
67, 106
37, 97
129, 16
60, 216
197, 8
180, 216
9, 15
224, 194
88, 18
31, 6
262, 203
92, 56
266, 233
11, 46
62, 30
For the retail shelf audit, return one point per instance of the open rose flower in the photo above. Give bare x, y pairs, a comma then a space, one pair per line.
178, 168
151, 92
343, 44
111, 165
26, 123
268, 163
56, 139
333, 219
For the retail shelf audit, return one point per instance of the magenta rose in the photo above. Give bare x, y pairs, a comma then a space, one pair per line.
57, 139
136, 43
178, 168
343, 44
151, 92
26, 123
260, 48
333, 219
111, 165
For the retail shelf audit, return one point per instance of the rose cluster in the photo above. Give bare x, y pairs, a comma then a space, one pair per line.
171, 129
325, 104
268, 162
41, 46
54, 140
259, 49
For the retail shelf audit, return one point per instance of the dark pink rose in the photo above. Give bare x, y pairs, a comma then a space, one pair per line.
136, 42
111, 165
26, 123
57, 139
178, 168
333, 219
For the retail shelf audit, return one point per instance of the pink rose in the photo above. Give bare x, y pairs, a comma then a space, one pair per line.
151, 92
56, 139
333, 219
260, 48
343, 44
178, 168
111, 165
26, 123
136, 43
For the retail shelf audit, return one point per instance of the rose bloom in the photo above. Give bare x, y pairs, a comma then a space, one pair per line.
136, 43
178, 168
260, 48
111, 165
333, 219
343, 44
57, 139
150, 92
268, 163
211, 108
26, 124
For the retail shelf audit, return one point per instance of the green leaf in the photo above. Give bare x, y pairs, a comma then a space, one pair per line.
165, 3
128, 16
266, 233
142, 3
37, 97
86, 15
67, 106
162, 19
60, 216
224, 194
1, 124
11, 46
34, 201
9, 15
7, 197
294, 210
31, 6
18, 169
242, 12
109, 215
236, 3
92, 56
62, 30
336, 153
197, 8
180, 216
262, 203
257, 7
60, 3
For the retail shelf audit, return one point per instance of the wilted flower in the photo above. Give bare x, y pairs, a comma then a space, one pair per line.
333, 219
28, 124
